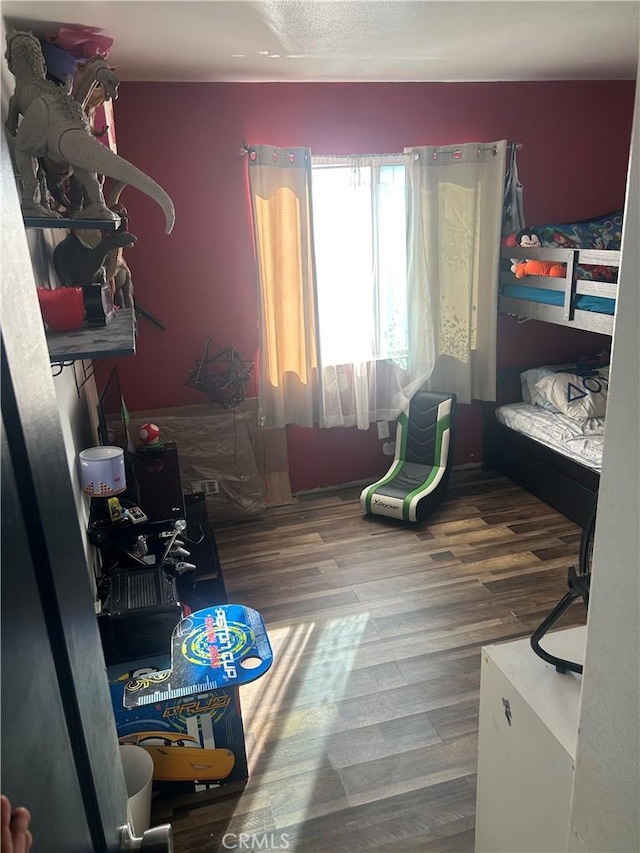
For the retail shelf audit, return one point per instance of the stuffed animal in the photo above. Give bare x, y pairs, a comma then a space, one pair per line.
528, 240
543, 268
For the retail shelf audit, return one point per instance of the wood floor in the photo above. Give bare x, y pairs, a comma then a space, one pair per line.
363, 735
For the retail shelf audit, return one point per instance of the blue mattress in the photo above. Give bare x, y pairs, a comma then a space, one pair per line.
599, 304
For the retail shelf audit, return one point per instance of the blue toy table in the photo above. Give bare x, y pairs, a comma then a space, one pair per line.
222, 646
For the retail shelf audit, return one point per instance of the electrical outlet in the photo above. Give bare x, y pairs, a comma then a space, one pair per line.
209, 487
389, 448
383, 429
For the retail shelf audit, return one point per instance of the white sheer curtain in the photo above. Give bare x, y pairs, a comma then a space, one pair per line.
360, 240
455, 196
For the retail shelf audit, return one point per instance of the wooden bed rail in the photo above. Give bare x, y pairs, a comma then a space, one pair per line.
571, 286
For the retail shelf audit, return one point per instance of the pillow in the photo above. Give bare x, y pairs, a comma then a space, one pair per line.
529, 378
578, 397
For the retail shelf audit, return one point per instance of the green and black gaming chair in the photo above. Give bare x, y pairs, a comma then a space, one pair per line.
418, 478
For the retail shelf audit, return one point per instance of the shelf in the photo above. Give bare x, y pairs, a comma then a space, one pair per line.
71, 224
116, 339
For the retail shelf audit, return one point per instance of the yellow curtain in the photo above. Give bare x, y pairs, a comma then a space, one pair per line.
280, 187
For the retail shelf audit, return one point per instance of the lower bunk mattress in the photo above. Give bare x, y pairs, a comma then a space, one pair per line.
581, 441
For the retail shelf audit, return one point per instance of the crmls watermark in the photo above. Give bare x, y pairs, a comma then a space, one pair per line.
256, 841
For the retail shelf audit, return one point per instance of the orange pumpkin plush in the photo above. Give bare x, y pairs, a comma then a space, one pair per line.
544, 268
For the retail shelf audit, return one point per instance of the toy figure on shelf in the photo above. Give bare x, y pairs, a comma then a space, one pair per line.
94, 84
117, 272
541, 268
54, 125
77, 264
149, 435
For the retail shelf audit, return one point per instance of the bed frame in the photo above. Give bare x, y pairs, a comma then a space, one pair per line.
562, 483
573, 287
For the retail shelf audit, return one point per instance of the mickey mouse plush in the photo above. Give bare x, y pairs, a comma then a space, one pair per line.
528, 240
525, 239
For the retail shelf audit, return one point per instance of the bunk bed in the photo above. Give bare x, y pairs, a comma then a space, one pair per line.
579, 262
567, 275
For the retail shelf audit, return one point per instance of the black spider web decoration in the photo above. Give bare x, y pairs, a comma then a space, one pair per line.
222, 376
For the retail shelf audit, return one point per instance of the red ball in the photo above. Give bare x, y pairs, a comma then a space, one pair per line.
149, 434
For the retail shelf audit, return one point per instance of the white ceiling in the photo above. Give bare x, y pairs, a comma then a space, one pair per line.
296, 40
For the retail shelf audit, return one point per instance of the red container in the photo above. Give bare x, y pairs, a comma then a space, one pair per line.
62, 309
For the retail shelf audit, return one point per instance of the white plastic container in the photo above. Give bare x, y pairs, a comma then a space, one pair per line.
138, 774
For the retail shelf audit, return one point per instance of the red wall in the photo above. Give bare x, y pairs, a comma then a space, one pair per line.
200, 281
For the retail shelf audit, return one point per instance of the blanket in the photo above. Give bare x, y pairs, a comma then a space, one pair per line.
602, 233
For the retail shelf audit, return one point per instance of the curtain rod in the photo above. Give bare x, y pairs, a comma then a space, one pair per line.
483, 146
517, 145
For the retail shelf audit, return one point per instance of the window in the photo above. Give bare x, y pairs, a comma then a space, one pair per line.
359, 223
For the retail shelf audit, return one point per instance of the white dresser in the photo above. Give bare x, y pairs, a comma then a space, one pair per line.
527, 744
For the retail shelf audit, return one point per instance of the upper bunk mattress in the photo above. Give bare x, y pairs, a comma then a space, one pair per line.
581, 441
602, 233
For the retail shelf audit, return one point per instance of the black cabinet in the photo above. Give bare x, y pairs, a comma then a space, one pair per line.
205, 586
143, 625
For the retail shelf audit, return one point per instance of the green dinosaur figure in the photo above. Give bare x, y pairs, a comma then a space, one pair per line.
55, 126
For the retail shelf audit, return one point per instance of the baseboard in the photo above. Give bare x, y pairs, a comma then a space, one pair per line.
355, 484
367, 482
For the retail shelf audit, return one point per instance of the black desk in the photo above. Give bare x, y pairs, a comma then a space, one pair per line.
205, 586
153, 484
196, 589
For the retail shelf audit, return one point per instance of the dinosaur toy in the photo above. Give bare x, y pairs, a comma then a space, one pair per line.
95, 82
542, 268
77, 265
117, 272
54, 125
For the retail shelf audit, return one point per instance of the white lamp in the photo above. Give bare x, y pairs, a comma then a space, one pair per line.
102, 472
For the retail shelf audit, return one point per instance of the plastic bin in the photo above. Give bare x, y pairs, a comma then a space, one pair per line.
138, 774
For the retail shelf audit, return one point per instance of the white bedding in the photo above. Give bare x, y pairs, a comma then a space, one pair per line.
581, 441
